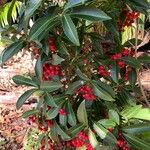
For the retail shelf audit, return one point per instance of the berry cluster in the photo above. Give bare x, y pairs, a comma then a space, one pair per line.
52, 45
103, 72
87, 93
130, 19
79, 141
122, 144
49, 71
116, 57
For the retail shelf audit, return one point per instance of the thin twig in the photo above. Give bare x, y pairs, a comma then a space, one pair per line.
137, 70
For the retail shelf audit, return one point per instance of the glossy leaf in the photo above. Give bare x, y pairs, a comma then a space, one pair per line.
73, 131
100, 130
132, 77
24, 97
142, 4
74, 3
49, 100
104, 133
39, 68
106, 87
12, 50
101, 93
92, 14
115, 72
107, 123
137, 129
40, 26
71, 115
143, 114
57, 59
29, 113
113, 115
50, 86
92, 139
21, 80
74, 86
63, 119
130, 111
70, 29
62, 133
137, 142
81, 75
82, 114
32, 6
52, 113
133, 62
144, 59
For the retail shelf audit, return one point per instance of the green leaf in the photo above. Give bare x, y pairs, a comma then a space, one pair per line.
113, 115
107, 123
21, 80
131, 42
136, 142
11, 10
92, 14
130, 111
53, 134
62, 133
70, 29
62, 49
81, 75
24, 97
104, 133
100, 130
74, 3
82, 114
49, 100
41, 27
63, 119
132, 77
144, 59
144, 114
137, 129
30, 113
57, 59
115, 72
92, 139
32, 6
74, 86
106, 87
101, 93
73, 131
39, 68
133, 62
142, 4
52, 113
71, 115
50, 86
59, 100
12, 50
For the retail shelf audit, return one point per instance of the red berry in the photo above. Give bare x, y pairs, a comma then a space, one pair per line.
110, 129
50, 123
63, 112
121, 64
83, 136
89, 146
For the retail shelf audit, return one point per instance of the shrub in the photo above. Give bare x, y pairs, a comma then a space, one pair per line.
85, 76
